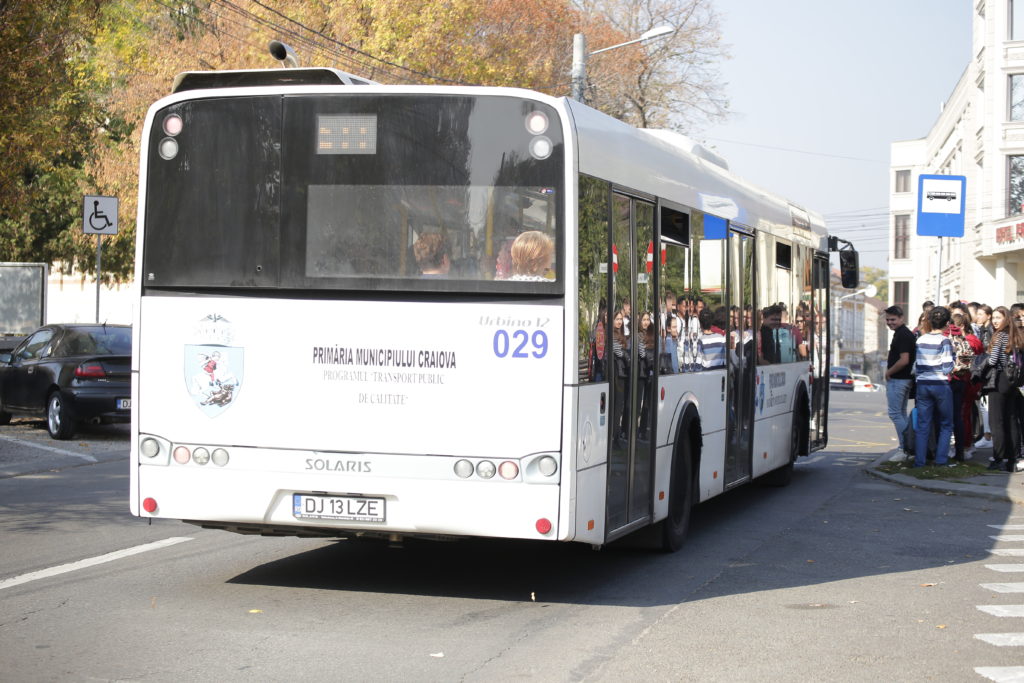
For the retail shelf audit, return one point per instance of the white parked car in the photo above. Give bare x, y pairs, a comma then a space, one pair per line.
863, 383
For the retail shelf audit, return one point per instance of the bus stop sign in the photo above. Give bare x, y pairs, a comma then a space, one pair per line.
940, 205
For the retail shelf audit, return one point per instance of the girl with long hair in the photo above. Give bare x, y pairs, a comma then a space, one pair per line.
1004, 401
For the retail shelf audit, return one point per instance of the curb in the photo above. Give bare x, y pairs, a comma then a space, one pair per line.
941, 486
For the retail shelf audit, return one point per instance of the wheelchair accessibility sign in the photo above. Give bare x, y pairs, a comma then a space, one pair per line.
99, 216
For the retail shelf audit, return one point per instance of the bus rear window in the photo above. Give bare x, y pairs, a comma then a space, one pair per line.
357, 191
465, 233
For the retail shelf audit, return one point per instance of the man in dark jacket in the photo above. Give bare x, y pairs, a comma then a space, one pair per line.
902, 353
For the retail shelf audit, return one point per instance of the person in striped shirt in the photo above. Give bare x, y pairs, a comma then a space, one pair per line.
934, 401
712, 342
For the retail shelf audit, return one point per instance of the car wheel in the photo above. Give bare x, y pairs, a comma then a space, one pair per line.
59, 420
5, 418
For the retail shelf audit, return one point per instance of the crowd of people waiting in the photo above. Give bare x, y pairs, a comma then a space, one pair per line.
957, 355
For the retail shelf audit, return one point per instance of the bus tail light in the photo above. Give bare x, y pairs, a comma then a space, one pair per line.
547, 465
200, 456
486, 469
220, 457
508, 470
150, 447
464, 469
182, 455
149, 505
543, 526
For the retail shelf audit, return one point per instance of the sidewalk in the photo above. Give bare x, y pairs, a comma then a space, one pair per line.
992, 485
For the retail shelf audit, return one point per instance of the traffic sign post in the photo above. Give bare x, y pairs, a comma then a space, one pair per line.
99, 217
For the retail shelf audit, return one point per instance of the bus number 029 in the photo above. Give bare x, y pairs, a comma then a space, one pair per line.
516, 344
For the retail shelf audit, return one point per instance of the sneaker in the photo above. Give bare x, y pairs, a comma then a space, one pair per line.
952, 464
898, 456
983, 443
1019, 467
968, 453
995, 465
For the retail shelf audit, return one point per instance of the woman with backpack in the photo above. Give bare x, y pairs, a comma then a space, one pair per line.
1004, 400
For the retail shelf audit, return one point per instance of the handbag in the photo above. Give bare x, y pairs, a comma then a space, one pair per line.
980, 369
1014, 371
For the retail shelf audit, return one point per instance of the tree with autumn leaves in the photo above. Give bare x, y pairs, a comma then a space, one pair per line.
80, 75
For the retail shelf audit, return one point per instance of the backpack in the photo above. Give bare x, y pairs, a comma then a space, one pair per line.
963, 356
1015, 369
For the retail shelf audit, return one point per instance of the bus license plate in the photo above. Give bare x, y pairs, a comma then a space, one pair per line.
124, 404
347, 508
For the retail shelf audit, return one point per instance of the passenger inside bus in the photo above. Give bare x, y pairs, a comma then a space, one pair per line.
433, 255
532, 254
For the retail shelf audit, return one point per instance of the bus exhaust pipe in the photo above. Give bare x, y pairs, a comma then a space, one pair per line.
283, 52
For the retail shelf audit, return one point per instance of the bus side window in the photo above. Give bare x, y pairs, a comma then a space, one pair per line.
593, 325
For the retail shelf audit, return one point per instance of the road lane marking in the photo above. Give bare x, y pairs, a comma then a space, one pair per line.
1003, 610
1008, 527
1003, 587
1001, 674
91, 562
51, 449
1008, 552
1005, 567
1009, 538
1002, 639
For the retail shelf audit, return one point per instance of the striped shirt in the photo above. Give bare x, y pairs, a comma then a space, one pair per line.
934, 358
997, 353
712, 350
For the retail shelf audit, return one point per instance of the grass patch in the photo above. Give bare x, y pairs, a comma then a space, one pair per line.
963, 470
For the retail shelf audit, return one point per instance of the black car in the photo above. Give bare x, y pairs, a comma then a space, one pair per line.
69, 373
841, 378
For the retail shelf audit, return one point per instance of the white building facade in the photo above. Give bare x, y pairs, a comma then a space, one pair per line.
980, 135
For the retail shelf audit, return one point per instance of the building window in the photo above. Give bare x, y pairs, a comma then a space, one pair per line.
901, 295
902, 233
1015, 186
1016, 19
903, 180
1017, 97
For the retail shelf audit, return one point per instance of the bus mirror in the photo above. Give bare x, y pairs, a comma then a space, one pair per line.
849, 268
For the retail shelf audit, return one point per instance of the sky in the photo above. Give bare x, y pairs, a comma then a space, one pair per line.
819, 89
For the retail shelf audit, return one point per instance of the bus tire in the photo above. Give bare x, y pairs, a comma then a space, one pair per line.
60, 422
681, 495
5, 417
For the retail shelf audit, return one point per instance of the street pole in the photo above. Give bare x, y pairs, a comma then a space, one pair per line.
99, 259
579, 66
580, 54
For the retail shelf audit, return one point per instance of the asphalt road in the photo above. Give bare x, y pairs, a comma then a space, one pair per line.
838, 576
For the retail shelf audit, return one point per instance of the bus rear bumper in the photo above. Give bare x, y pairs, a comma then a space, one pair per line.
265, 504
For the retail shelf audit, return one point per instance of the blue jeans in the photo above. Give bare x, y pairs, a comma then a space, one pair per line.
934, 404
897, 392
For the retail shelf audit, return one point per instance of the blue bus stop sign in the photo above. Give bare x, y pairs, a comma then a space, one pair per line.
940, 205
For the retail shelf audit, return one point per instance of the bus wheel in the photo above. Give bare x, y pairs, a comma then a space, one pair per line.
680, 501
59, 421
5, 417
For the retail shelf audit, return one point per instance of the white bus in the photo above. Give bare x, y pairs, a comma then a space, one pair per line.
387, 311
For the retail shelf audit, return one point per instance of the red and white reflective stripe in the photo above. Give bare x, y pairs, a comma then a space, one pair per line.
664, 256
615, 259
650, 256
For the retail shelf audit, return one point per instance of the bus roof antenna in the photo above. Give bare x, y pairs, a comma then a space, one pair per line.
283, 52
